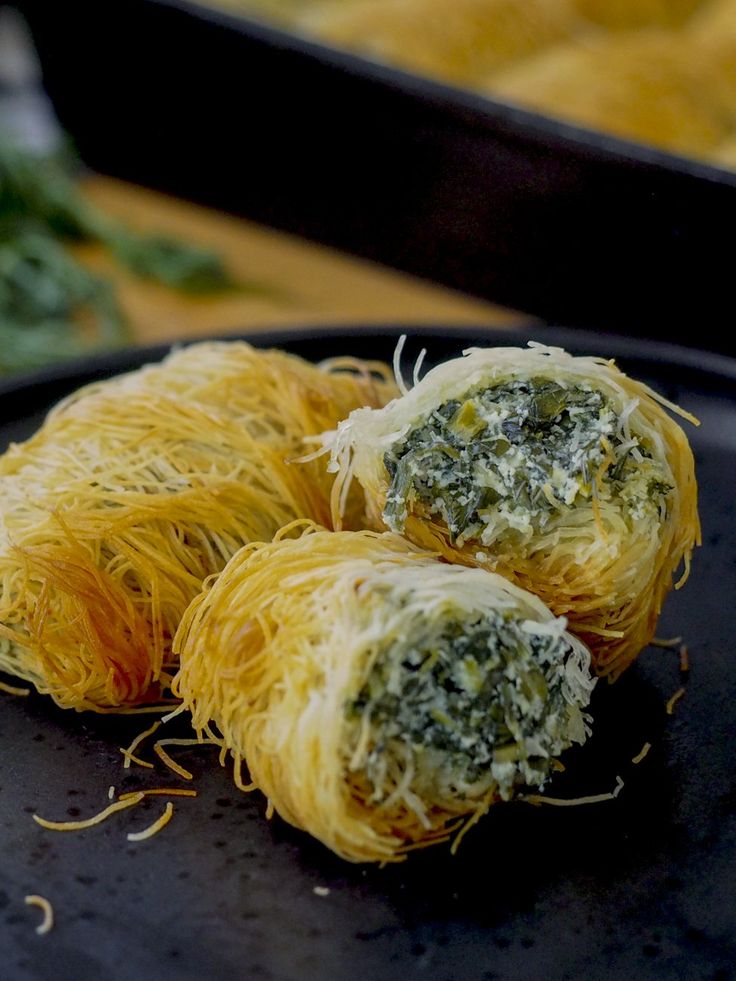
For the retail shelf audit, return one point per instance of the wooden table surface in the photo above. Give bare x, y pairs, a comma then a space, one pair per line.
295, 282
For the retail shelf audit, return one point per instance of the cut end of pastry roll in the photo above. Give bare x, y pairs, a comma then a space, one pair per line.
136, 489
558, 472
380, 697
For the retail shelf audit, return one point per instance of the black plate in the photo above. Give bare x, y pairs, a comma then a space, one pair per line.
569, 225
642, 887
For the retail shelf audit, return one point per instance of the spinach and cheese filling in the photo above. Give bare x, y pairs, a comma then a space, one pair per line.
506, 459
471, 705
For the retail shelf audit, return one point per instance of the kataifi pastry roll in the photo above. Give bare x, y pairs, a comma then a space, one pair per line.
380, 698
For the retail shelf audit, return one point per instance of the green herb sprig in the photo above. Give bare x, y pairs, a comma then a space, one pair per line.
51, 307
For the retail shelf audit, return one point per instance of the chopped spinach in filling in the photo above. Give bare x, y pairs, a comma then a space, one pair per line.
485, 703
510, 457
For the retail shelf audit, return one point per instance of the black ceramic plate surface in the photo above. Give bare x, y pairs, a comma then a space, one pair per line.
643, 886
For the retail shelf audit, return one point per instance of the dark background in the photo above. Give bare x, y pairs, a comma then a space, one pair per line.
570, 226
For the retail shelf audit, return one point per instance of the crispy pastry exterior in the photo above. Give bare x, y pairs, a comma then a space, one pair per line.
136, 489
605, 551
379, 697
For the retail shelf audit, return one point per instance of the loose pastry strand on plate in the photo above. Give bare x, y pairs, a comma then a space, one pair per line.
560, 473
136, 489
379, 697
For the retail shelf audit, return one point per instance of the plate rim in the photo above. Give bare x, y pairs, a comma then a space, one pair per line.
600, 344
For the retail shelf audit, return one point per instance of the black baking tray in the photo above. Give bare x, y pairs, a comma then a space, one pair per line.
572, 226
643, 886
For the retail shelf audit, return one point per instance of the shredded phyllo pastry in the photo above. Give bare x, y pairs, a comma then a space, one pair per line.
136, 489
380, 698
47, 923
160, 792
673, 700
119, 805
558, 472
153, 829
14, 690
577, 801
129, 753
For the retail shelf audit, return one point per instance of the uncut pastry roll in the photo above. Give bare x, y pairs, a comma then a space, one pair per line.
654, 86
379, 697
558, 472
624, 14
135, 490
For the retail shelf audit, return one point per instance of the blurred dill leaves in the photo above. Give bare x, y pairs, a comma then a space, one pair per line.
51, 307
